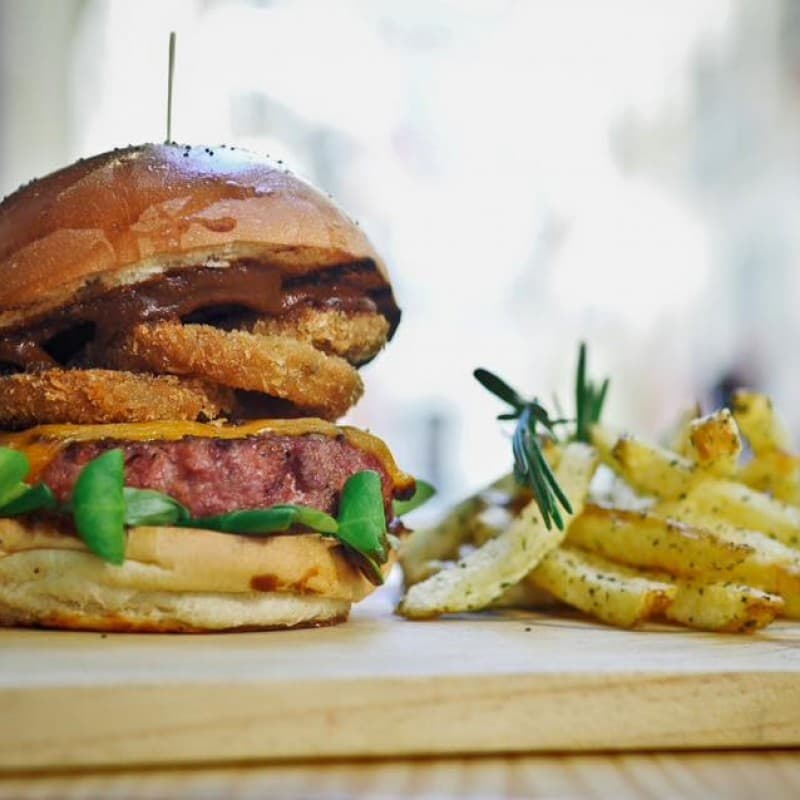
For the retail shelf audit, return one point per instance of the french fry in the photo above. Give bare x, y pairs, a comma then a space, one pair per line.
610, 592
678, 440
603, 439
490, 523
657, 471
724, 607
773, 469
442, 541
642, 539
770, 565
647, 467
688, 535
481, 577
759, 422
715, 444
428, 568
626, 597
525, 595
611, 491
747, 508
775, 472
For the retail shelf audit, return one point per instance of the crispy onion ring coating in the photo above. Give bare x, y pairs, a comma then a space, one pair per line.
96, 396
321, 385
357, 336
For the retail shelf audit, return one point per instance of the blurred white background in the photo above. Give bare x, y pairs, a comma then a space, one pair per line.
534, 172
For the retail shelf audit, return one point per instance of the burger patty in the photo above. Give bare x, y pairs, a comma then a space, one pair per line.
214, 476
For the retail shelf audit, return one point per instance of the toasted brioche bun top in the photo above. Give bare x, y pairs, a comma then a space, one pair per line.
128, 215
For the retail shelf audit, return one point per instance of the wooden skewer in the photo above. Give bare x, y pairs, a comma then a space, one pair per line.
169, 84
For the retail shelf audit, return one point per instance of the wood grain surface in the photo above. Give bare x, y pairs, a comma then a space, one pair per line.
383, 687
690, 776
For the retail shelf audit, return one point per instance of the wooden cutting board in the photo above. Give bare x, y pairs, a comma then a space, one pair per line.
382, 686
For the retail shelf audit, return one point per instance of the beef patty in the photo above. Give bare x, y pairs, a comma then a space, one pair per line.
214, 476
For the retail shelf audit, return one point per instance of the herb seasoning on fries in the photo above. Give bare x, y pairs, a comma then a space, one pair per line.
698, 535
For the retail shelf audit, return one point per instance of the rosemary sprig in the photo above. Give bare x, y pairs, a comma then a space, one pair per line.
530, 466
589, 399
534, 425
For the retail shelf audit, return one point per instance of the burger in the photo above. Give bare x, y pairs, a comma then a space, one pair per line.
180, 329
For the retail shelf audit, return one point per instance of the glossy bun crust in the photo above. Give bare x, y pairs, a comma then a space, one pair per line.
174, 581
128, 215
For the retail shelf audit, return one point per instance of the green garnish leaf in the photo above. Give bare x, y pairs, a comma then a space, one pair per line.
14, 466
148, 507
362, 521
312, 518
256, 521
261, 521
35, 498
423, 493
98, 506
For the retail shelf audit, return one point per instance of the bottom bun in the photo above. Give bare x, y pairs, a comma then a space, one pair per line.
119, 610
174, 580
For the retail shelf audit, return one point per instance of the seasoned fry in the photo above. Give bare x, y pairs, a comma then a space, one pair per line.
688, 536
442, 541
645, 466
775, 472
759, 422
614, 594
96, 396
678, 440
482, 576
611, 491
321, 385
723, 607
356, 336
643, 539
520, 595
490, 523
603, 439
525, 595
773, 468
746, 508
429, 568
770, 565
668, 476
626, 597
715, 444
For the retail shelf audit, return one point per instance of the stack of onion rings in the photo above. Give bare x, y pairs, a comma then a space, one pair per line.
279, 366
96, 396
356, 336
305, 361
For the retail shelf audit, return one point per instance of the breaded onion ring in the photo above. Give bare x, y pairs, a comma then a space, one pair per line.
356, 336
321, 385
96, 396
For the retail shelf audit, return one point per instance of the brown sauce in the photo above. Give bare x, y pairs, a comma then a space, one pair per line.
186, 293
